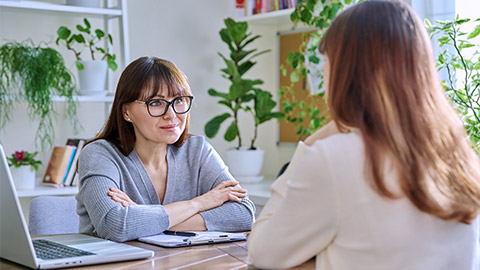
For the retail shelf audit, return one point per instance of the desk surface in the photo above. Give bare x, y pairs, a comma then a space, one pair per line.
219, 256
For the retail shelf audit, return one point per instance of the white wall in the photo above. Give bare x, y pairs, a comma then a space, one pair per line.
184, 32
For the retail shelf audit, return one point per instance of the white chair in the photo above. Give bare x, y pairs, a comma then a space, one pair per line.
53, 215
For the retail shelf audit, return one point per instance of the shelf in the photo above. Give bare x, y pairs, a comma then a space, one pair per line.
60, 8
103, 99
46, 191
270, 18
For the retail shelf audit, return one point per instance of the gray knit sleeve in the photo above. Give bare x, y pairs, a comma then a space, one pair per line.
99, 170
230, 216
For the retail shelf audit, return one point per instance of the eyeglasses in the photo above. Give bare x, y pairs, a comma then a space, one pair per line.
157, 107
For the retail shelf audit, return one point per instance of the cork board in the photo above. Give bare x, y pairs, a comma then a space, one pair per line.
290, 42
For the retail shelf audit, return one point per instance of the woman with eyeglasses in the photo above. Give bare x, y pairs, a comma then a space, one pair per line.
144, 173
392, 182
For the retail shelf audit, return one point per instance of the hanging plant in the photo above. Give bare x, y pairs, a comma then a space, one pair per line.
34, 74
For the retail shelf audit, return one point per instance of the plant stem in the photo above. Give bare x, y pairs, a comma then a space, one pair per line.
235, 117
467, 75
77, 54
252, 146
90, 46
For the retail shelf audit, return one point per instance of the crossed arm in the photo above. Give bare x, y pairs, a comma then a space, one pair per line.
184, 215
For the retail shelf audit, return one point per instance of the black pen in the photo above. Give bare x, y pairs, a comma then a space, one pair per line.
187, 234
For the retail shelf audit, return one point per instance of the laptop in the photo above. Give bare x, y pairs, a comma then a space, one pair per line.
17, 246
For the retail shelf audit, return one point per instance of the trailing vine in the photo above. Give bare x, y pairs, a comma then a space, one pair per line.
34, 74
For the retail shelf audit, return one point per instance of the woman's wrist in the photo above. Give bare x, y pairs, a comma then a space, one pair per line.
195, 202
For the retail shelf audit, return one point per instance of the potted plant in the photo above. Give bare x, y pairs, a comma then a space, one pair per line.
92, 73
23, 166
34, 74
244, 162
460, 61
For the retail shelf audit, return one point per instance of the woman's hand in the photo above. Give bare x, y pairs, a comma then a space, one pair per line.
121, 197
327, 130
223, 192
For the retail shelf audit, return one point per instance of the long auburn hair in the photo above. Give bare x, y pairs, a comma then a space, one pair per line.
384, 83
142, 79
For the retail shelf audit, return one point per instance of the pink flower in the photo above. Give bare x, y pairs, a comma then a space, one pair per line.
20, 155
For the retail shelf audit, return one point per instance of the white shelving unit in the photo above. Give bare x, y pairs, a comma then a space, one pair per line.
109, 13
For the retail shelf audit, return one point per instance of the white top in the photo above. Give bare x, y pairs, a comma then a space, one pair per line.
323, 206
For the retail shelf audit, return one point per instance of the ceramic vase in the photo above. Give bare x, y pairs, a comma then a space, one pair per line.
92, 78
245, 165
23, 177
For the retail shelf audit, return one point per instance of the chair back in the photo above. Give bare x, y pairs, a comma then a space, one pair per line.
53, 215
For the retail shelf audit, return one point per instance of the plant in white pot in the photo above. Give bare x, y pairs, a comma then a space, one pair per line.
92, 73
245, 163
23, 166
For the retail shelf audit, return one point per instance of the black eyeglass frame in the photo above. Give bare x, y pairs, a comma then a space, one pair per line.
147, 102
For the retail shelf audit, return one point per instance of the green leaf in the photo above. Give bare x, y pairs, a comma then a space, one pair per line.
79, 38
294, 76
427, 23
99, 33
111, 63
79, 65
231, 133
214, 93
247, 98
245, 66
87, 23
82, 29
212, 126
475, 32
248, 41
63, 32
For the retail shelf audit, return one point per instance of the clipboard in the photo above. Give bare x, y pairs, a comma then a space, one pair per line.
201, 238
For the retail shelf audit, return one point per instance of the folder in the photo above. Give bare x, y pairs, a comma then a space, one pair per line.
200, 238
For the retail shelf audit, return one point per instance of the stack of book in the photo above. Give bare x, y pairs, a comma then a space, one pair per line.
263, 6
62, 167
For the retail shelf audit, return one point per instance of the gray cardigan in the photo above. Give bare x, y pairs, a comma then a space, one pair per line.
193, 169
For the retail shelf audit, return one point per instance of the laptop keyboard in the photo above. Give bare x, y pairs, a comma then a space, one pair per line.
47, 250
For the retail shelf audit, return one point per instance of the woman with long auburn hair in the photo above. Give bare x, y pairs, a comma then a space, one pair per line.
392, 181
144, 173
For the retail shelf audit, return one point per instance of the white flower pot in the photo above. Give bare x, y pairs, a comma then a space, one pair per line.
92, 78
245, 165
23, 177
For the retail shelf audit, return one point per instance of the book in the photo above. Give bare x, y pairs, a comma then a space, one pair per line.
258, 7
69, 165
182, 239
57, 165
72, 171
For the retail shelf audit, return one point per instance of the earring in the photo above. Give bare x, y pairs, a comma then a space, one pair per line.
128, 119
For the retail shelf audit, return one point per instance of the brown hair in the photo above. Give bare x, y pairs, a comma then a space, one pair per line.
142, 79
383, 81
